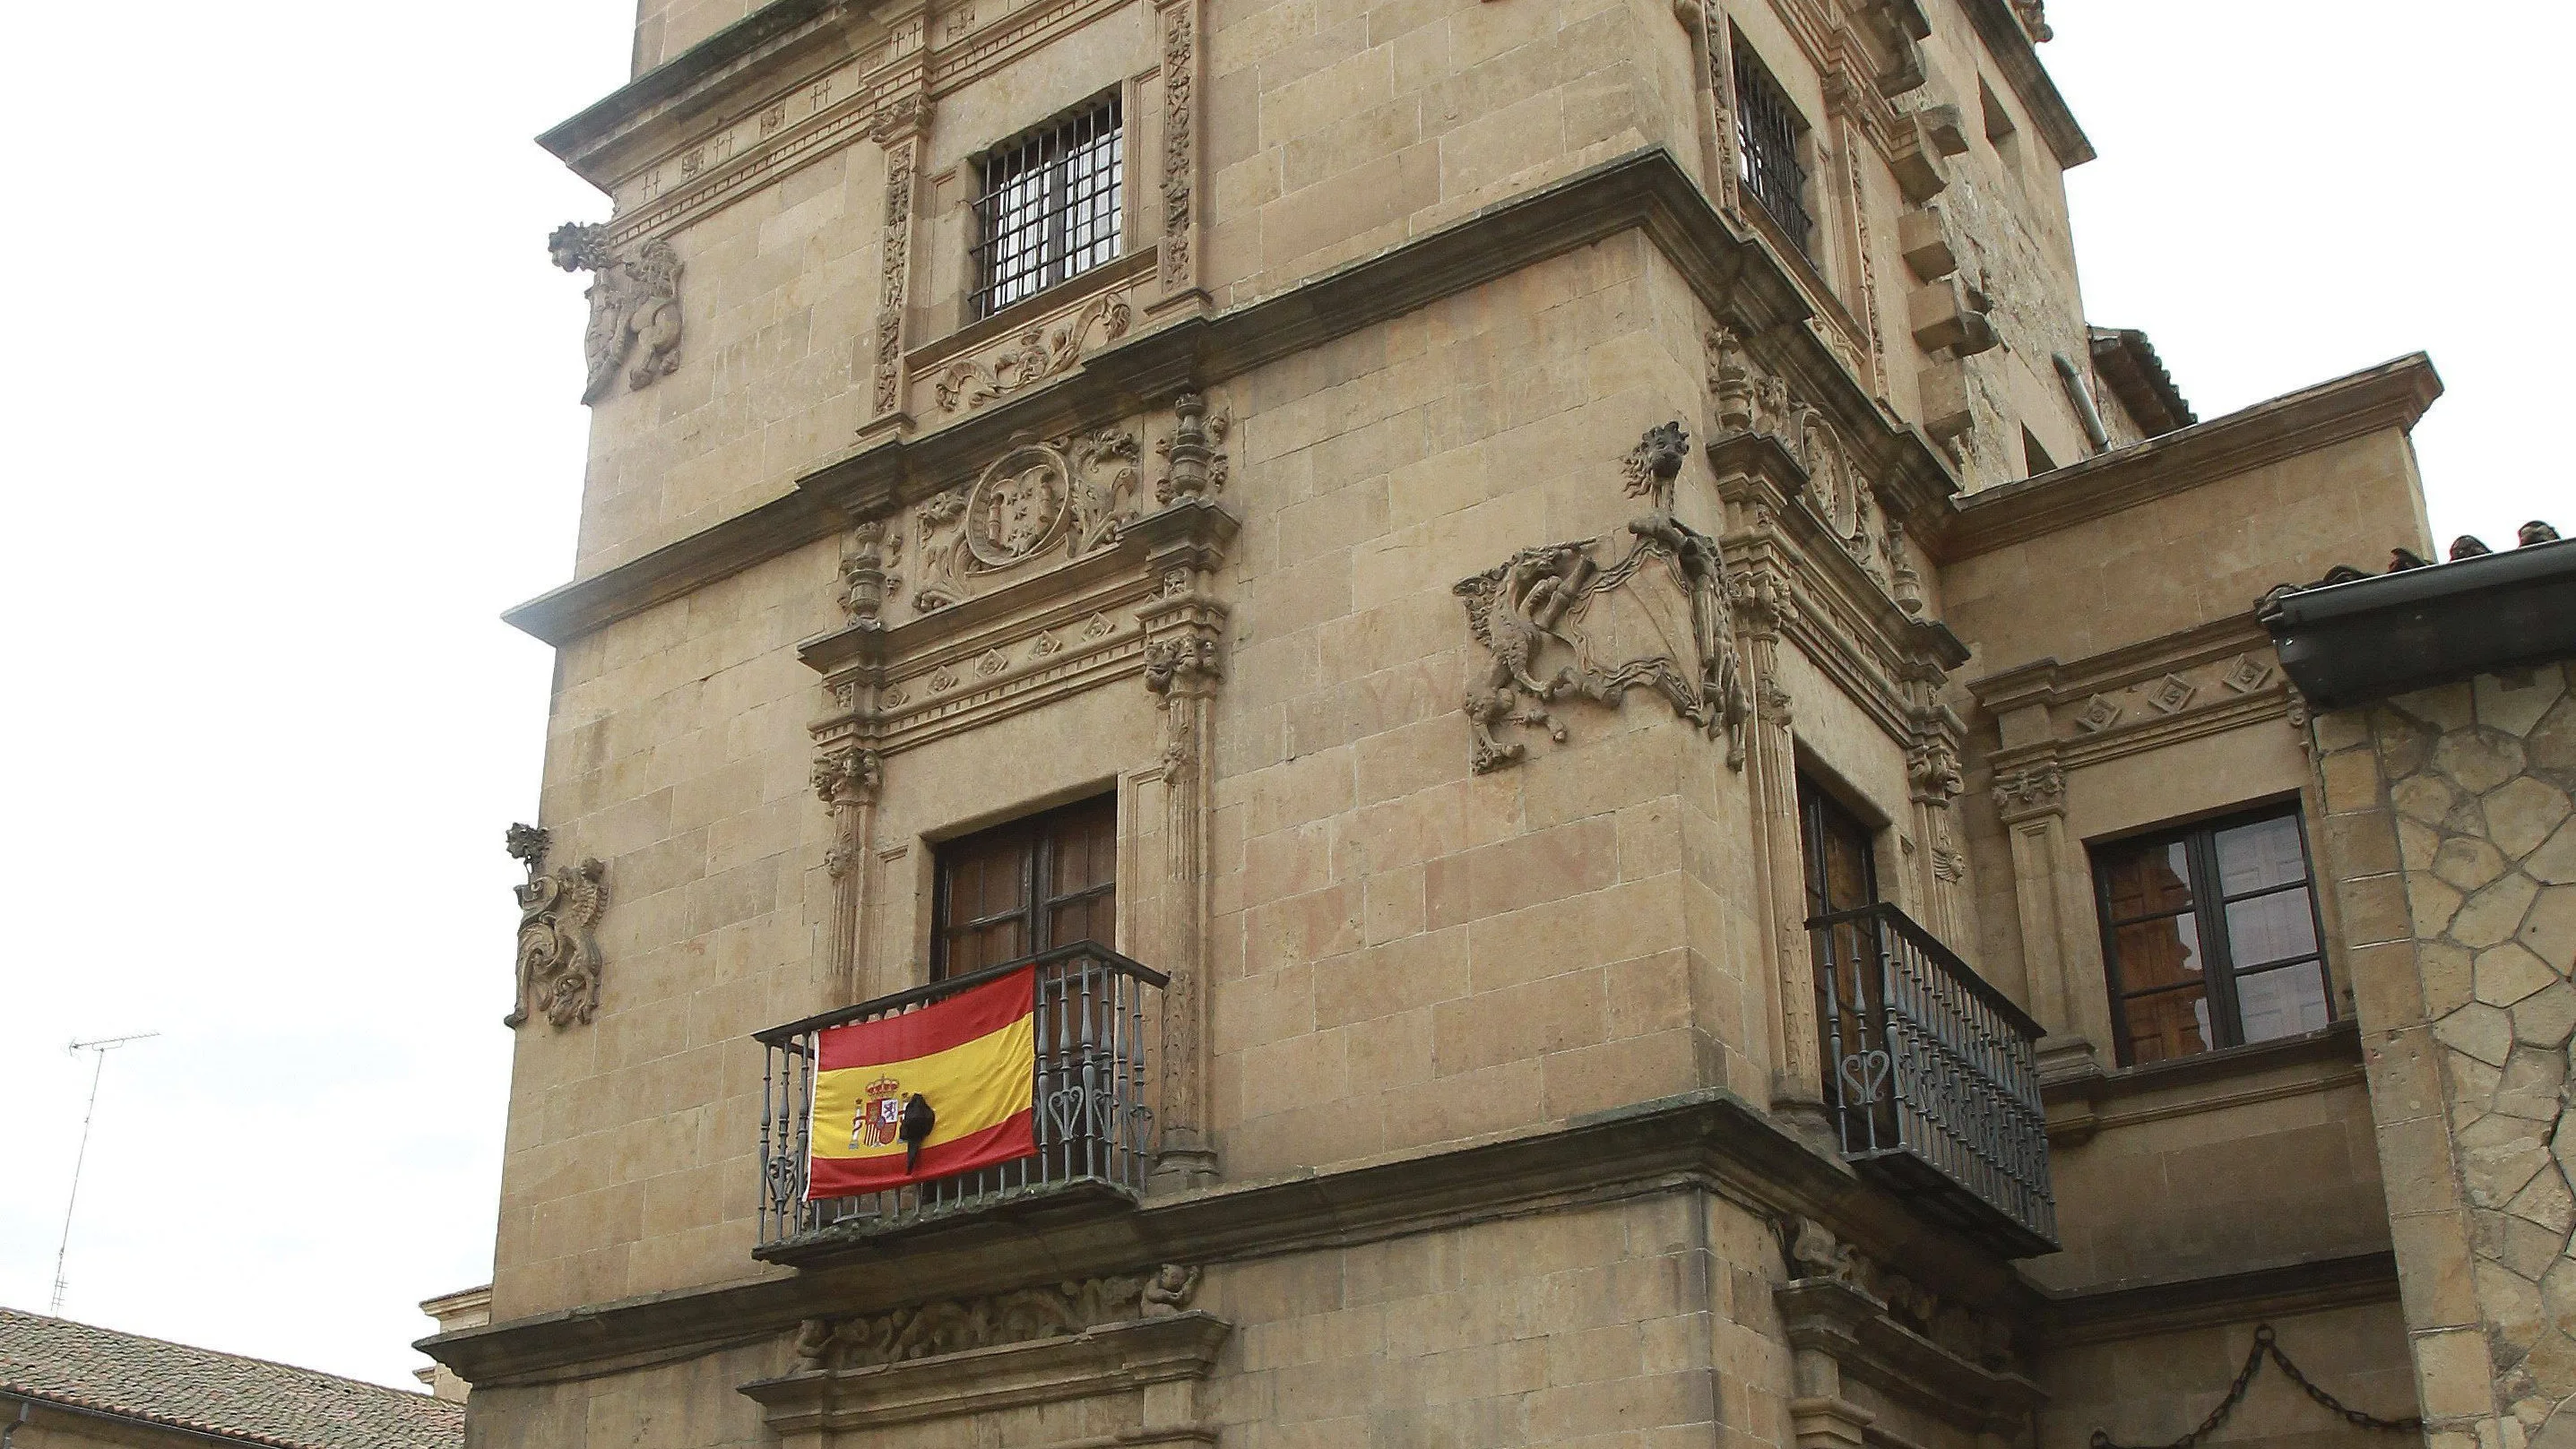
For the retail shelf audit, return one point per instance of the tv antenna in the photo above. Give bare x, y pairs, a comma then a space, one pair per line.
97, 1049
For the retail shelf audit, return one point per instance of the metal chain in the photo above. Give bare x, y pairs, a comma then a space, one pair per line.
2266, 1344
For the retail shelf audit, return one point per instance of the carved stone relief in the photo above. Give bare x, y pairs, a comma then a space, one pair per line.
1034, 356
634, 306
1814, 1253
2037, 790
1750, 399
558, 958
1180, 41
956, 1325
1061, 498
1650, 610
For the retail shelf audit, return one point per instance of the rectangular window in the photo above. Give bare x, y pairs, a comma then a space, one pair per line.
2211, 937
1767, 129
1029, 886
1047, 206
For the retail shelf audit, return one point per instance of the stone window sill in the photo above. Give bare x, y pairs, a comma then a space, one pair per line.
2083, 1103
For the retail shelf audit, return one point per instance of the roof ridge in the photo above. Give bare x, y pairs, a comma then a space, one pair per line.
406, 1395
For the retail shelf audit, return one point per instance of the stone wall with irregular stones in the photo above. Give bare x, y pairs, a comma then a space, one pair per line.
2462, 957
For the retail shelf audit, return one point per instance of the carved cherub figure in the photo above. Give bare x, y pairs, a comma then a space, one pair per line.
1168, 1291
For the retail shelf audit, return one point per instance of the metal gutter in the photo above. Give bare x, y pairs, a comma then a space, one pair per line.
2348, 644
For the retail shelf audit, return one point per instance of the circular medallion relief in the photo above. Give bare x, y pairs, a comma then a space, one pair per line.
1017, 508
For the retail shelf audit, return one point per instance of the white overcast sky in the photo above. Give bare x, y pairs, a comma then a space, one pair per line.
287, 416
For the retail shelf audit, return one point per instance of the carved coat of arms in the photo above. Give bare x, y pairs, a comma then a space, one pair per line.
634, 306
1594, 618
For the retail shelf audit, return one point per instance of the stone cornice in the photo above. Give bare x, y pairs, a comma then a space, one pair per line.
1108, 1359
1646, 190
599, 141
2138, 1310
2391, 395
1708, 1141
2019, 59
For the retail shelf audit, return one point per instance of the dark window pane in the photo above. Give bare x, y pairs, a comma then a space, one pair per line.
2148, 881
2271, 928
2265, 853
2159, 953
2167, 1024
2283, 1002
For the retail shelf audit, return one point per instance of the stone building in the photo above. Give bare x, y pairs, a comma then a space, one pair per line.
1643, 771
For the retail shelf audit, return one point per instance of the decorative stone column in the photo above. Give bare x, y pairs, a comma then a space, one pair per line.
1184, 626
1933, 776
847, 779
901, 129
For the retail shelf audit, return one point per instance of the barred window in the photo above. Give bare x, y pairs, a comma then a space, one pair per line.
1047, 207
1767, 127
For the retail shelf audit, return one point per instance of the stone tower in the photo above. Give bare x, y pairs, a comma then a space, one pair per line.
1638, 770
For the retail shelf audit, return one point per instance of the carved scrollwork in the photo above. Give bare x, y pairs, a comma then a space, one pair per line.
1654, 617
1034, 356
558, 965
634, 304
1750, 399
956, 1325
1179, 41
1071, 495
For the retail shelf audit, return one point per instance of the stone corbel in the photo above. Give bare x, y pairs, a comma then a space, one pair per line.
1185, 542
900, 128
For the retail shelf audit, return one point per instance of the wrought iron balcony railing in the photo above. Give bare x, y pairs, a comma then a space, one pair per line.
1932, 1078
1091, 1112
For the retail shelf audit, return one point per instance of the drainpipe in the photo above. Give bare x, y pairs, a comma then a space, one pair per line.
2077, 394
9, 1431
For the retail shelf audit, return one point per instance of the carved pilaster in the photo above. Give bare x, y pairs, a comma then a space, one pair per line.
1934, 780
1764, 606
1177, 21
847, 778
1185, 541
2051, 896
900, 129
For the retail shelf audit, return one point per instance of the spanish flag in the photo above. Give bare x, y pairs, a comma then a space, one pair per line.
971, 1057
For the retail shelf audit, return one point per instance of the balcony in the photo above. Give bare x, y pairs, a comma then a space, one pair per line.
1931, 1079
1091, 1110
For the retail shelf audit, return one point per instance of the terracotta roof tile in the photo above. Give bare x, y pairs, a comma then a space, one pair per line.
81, 1366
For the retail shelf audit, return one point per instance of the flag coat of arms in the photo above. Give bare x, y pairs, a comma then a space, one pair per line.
971, 1057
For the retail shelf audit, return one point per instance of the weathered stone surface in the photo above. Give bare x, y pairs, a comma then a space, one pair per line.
2554, 863
2478, 762
2468, 863
2495, 913
2515, 705
2483, 1033
2449, 977
2498, 1156
2549, 931
2521, 813
2545, 1018
2547, 1206
2424, 797
2532, 1077
2509, 972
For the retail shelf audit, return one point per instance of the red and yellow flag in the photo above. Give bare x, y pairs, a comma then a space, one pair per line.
972, 1057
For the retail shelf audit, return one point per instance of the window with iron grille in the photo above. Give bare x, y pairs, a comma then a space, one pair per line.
1766, 146
2211, 936
1047, 207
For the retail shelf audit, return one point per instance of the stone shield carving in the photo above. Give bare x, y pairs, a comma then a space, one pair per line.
1595, 618
558, 958
955, 1325
634, 306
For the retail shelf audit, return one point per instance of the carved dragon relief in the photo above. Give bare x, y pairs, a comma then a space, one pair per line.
1751, 399
1647, 612
956, 1325
558, 967
634, 303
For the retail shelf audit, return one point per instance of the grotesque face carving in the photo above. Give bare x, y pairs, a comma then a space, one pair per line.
1663, 449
